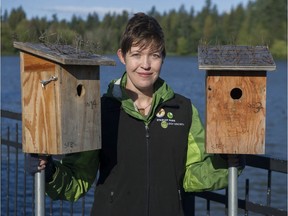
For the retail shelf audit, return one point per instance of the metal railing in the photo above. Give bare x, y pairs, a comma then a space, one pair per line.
17, 194
269, 166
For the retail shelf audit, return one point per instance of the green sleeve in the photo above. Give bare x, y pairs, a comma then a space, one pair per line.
203, 171
74, 175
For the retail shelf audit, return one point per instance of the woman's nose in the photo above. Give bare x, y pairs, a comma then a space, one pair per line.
146, 63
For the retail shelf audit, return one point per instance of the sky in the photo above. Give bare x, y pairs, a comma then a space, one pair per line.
64, 9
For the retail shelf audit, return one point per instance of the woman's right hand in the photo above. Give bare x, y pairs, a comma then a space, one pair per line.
36, 163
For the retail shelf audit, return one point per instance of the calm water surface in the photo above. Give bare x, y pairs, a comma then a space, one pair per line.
183, 76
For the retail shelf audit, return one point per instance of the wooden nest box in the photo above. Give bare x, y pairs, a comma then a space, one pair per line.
60, 98
235, 97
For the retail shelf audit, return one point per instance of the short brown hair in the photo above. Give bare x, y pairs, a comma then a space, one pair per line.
143, 30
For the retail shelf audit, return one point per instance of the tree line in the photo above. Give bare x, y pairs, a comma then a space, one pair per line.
260, 22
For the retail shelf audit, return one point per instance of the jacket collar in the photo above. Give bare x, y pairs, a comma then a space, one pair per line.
162, 93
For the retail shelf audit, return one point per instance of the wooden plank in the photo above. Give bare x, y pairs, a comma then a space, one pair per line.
252, 58
80, 108
35, 64
39, 110
64, 54
235, 113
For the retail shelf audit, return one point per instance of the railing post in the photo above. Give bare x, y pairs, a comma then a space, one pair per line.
40, 193
232, 191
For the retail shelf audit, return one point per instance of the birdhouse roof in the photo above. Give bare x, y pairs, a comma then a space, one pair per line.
232, 57
64, 54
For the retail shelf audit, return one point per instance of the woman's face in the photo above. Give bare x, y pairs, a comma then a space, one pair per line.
143, 67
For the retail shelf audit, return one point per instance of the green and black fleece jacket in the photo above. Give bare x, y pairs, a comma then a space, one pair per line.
145, 161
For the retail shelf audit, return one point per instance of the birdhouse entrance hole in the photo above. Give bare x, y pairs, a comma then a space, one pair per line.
236, 93
80, 90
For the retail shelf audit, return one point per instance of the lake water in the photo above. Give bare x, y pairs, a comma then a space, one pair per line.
182, 74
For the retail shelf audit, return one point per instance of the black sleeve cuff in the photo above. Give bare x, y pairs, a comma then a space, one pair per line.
49, 169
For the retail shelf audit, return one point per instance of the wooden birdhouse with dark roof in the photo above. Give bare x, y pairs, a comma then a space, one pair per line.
235, 97
60, 98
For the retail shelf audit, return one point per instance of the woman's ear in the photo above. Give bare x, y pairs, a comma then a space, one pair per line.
121, 56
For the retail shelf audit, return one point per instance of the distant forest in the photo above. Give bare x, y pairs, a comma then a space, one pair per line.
260, 22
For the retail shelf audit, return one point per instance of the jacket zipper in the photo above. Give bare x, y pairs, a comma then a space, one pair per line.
148, 173
148, 168
111, 196
180, 199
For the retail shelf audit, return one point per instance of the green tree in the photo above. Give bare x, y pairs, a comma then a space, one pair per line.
279, 49
16, 16
261, 22
92, 21
4, 17
78, 25
182, 46
6, 39
232, 24
208, 28
153, 12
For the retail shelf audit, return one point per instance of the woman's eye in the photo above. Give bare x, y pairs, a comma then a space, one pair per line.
135, 54
156, 55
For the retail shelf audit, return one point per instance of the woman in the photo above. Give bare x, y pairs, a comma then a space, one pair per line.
152, 140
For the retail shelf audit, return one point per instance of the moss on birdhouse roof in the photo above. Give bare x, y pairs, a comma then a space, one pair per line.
64, 54
232, 57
